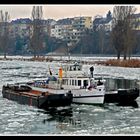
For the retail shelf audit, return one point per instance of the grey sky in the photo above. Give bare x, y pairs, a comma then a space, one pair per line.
59, 11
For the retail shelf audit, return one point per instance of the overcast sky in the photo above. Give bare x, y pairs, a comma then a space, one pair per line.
59, 11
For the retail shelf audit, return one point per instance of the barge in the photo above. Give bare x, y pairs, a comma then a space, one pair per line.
24, 94
122, 96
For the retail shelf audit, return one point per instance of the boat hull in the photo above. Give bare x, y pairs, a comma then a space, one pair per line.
86, 96
99, 99
40, 101
122, 96
81, 96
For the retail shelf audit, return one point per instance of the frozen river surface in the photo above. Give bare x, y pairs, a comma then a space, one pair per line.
76, 120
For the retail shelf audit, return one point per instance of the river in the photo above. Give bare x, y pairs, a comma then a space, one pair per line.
109, 119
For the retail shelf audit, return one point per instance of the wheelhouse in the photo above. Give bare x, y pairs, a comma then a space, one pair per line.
76, 82
73, 67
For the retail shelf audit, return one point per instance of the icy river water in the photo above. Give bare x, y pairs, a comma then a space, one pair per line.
109, 119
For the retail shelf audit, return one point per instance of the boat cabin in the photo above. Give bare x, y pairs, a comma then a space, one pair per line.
76, 82
73, 70
82, 83
75, 67
72, 78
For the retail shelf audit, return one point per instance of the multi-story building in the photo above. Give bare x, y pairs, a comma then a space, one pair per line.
48, 25
71, 32
103, 22
105, 25
65, 33
20, 27
21, 30
82, 22
57, 31
136, 21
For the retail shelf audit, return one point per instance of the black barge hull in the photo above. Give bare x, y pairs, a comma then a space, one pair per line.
122, 96
40, 101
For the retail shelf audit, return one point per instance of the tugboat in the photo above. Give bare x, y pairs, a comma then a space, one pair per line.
85, 89
24, 94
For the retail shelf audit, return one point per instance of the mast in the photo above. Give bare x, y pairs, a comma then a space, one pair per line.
60, 76
68, 49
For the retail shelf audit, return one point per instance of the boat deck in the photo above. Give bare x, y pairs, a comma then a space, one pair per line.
37, 98
36, 93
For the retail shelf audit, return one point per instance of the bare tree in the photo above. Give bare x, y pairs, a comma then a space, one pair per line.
129, 43
37, 35
117, 38
123, 29
101, 39
4, 32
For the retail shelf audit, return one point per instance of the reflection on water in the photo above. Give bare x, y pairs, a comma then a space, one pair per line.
66, 115
74, 117
83, 116
62, 116
58, 115
133, 104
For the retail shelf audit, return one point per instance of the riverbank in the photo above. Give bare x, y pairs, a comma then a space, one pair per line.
132, 63
39, 59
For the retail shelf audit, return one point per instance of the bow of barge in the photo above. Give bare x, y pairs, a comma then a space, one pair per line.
25, 95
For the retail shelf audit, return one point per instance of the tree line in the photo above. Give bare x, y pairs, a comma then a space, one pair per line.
122, 40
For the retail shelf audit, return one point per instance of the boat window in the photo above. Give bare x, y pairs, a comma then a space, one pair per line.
85, 83
70, 68
72, 82
79, 82
64, 82
67, 82
73, 68
75, 82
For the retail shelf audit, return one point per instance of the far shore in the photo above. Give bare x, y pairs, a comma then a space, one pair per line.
106, 61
